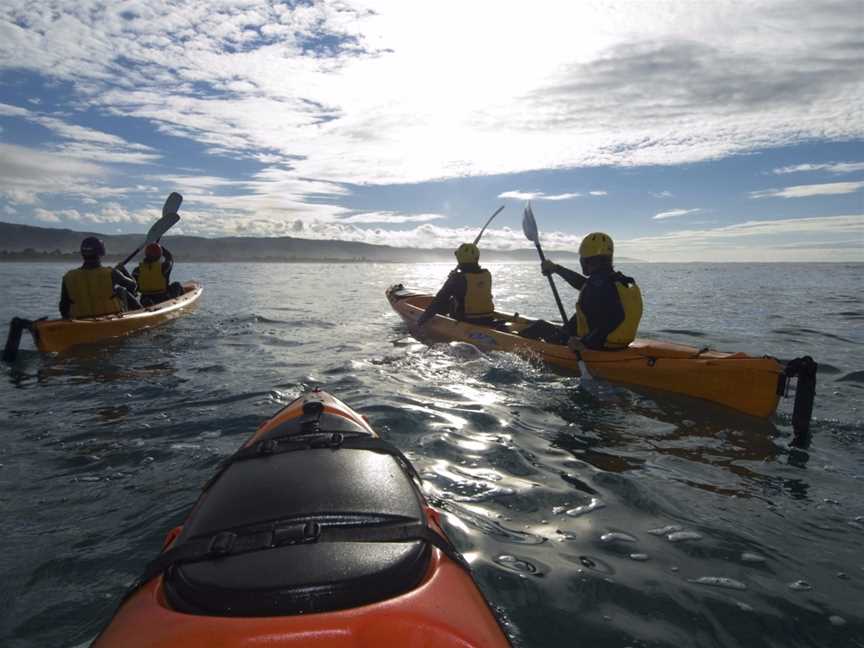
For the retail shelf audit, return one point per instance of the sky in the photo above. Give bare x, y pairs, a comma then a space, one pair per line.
687, 130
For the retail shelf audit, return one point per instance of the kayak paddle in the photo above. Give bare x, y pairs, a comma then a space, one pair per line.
529, 228
169, 219
497, 211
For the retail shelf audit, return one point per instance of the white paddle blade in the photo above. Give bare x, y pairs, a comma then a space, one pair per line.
161, 226
529, 225
497, 211
172, 204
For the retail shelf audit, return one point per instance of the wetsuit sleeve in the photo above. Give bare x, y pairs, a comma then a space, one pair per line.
441, 302
604, 312
167, 264
65, 302
570, 276
124, 280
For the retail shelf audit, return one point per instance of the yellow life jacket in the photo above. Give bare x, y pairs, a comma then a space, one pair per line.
478, 294
151, 281
625, 332
91, 291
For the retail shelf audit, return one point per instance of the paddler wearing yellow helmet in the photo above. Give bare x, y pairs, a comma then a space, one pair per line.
467, 293
610, 304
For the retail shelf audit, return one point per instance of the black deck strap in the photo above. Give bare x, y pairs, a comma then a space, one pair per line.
804, 369
320, 441
233, 543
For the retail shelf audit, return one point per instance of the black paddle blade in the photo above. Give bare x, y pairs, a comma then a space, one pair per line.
172, 204
161, 226
529, 225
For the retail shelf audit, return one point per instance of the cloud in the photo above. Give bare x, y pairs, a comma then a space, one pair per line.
599, 193
790, 239
367, 93
675, 213
539, 195
806, 191
390, 217
831, 167
663, 194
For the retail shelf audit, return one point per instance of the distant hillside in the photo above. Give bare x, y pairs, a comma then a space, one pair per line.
24, 242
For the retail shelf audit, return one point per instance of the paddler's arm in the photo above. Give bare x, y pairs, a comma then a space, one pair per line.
570, 276
167, 264
121, 278
65, 302
441, 302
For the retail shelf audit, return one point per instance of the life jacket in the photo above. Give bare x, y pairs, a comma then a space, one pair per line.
151, 281
91, 291
478, 294
631, 302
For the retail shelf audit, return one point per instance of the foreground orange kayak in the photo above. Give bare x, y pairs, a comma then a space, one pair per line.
746, 383
314, 533
61, 334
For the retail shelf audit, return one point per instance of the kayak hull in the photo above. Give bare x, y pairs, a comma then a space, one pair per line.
55, 336
742, 382
444, 609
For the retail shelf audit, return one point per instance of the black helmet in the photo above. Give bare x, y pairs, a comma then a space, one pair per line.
92, 248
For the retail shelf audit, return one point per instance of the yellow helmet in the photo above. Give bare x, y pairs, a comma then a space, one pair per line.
467, 253
596, 244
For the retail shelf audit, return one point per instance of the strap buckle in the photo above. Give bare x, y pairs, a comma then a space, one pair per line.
222, 543
267, 447
293, 534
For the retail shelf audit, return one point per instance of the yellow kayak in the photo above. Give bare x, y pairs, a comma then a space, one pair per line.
746, 383
60, 334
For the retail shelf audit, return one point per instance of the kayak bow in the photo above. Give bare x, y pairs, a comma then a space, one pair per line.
314, 533
737, 380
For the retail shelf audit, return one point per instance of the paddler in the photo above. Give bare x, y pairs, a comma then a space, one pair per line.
93, 290
153, 275
467, 293
610, 304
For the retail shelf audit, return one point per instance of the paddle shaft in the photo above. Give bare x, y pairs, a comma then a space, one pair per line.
552, 285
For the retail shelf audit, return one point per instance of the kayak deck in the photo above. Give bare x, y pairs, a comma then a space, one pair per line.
58, 335
288, 546
749, 384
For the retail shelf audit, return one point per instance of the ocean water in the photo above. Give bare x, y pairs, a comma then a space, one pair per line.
594, 515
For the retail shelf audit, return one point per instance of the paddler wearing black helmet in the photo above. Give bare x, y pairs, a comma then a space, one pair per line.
467, 293
93, 290
610, 304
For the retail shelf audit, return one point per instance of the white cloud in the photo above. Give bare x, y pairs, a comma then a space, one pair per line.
390, 217
663, 194
580, 90
599, 193
538, 195
832, 167
790, 239
45, 216
9, 209
806, 191
675, 213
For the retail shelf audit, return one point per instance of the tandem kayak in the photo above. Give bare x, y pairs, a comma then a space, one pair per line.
314, 533
61, 334
746, 383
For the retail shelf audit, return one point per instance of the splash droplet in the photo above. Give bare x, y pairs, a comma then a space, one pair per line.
679, 536
719, 581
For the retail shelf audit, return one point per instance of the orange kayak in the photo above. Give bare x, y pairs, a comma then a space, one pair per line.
56, 335
314, 533
746, 383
